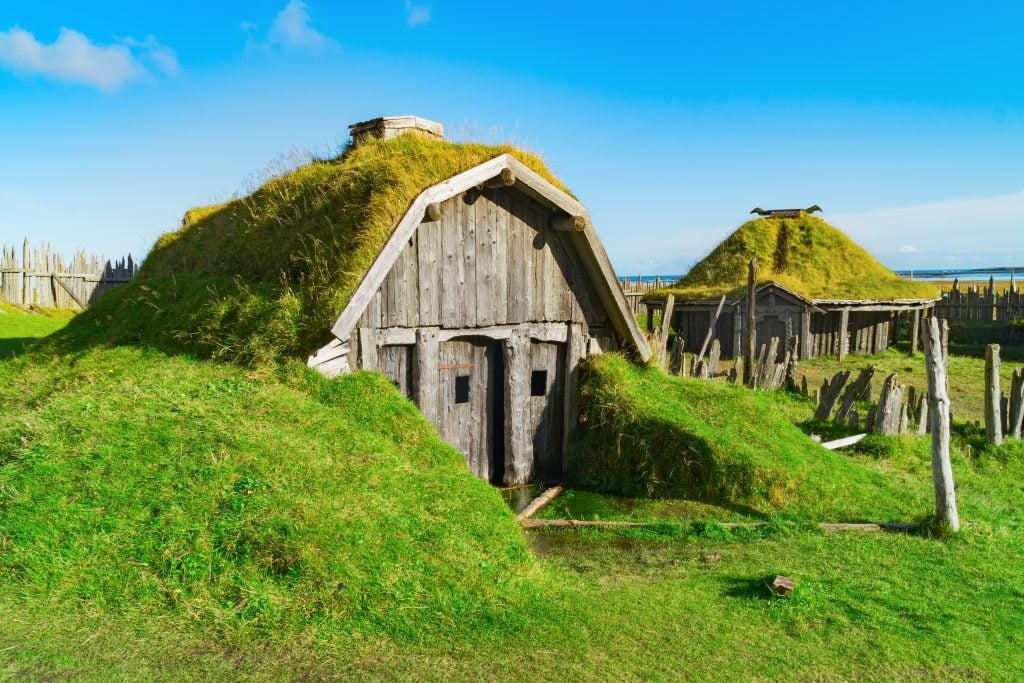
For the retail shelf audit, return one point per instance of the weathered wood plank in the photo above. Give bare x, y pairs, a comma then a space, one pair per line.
426, 361
993, 418
518, 445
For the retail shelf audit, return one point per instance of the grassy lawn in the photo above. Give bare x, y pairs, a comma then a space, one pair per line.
18, 328
166, 518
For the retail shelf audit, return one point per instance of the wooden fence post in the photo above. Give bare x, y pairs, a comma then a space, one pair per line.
1016, 416
938, 408
915, 331
993, 418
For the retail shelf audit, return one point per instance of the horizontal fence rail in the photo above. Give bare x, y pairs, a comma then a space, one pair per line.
981, 303
43, 278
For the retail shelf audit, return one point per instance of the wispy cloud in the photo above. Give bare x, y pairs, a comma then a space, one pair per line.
292, 29
416, 15
73, 58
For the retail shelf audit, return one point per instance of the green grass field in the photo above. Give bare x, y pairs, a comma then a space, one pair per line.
168, 518
19, 328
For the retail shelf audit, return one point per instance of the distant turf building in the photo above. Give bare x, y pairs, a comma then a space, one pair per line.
480, 301
813, 282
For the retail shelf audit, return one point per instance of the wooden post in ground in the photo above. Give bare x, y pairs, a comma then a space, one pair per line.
711, 329
666, 320
748, 327
1016, 417
993, 418
938, 416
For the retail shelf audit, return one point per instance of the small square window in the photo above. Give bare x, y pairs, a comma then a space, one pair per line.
539, 383
462, 389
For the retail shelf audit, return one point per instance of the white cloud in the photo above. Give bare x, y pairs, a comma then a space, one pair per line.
416, 15
162, 57
292, 29
907, 249
73, 58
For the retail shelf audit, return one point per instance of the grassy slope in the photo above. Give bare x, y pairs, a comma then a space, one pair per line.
806, 255
264, 277
133, 481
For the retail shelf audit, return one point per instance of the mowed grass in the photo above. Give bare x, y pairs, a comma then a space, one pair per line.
163, 518
19, 328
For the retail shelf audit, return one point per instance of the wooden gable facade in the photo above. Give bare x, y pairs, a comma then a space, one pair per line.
480, 308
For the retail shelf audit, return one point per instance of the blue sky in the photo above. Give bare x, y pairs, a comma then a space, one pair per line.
903, 120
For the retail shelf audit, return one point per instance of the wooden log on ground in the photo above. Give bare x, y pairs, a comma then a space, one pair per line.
830, 395
938, 416
842, 443
749, 326
993, 420
612, 524
539, 502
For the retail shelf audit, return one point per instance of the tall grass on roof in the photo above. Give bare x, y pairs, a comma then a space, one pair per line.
804, 254
263, 277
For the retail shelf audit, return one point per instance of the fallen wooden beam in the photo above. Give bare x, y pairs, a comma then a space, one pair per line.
824, 526
842, 443
537, 503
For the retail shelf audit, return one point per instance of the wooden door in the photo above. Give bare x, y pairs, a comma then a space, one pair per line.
546, 414
470, 384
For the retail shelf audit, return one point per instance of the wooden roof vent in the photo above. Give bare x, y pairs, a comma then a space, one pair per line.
387, 127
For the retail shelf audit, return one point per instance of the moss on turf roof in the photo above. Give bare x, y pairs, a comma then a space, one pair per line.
265, 276
806, 255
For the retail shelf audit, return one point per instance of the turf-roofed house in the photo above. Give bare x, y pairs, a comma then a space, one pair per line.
489, 289
813, 283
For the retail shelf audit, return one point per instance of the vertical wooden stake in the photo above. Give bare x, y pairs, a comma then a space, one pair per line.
748, 328
666, 321
844, 333
938, 409
993, 418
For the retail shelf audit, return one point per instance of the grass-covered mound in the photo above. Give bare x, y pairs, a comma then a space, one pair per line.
647, 433
806, 255
263, 277
132, 482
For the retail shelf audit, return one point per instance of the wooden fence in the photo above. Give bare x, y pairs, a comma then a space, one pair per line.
636, 288
981, 303
44, 279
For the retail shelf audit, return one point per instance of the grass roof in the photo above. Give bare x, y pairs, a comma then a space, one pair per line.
806, 255
264, 277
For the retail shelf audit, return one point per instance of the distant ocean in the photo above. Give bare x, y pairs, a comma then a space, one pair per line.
1001, 273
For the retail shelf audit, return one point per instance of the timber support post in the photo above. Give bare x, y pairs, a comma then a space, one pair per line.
915, 332
938, 417
844, 333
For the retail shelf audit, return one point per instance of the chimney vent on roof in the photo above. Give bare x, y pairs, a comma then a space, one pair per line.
387, 127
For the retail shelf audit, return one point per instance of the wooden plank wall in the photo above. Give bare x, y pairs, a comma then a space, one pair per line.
41, 277
981, 303
491, 261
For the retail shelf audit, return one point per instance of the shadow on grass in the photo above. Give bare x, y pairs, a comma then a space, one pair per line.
751, 589
12, 346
